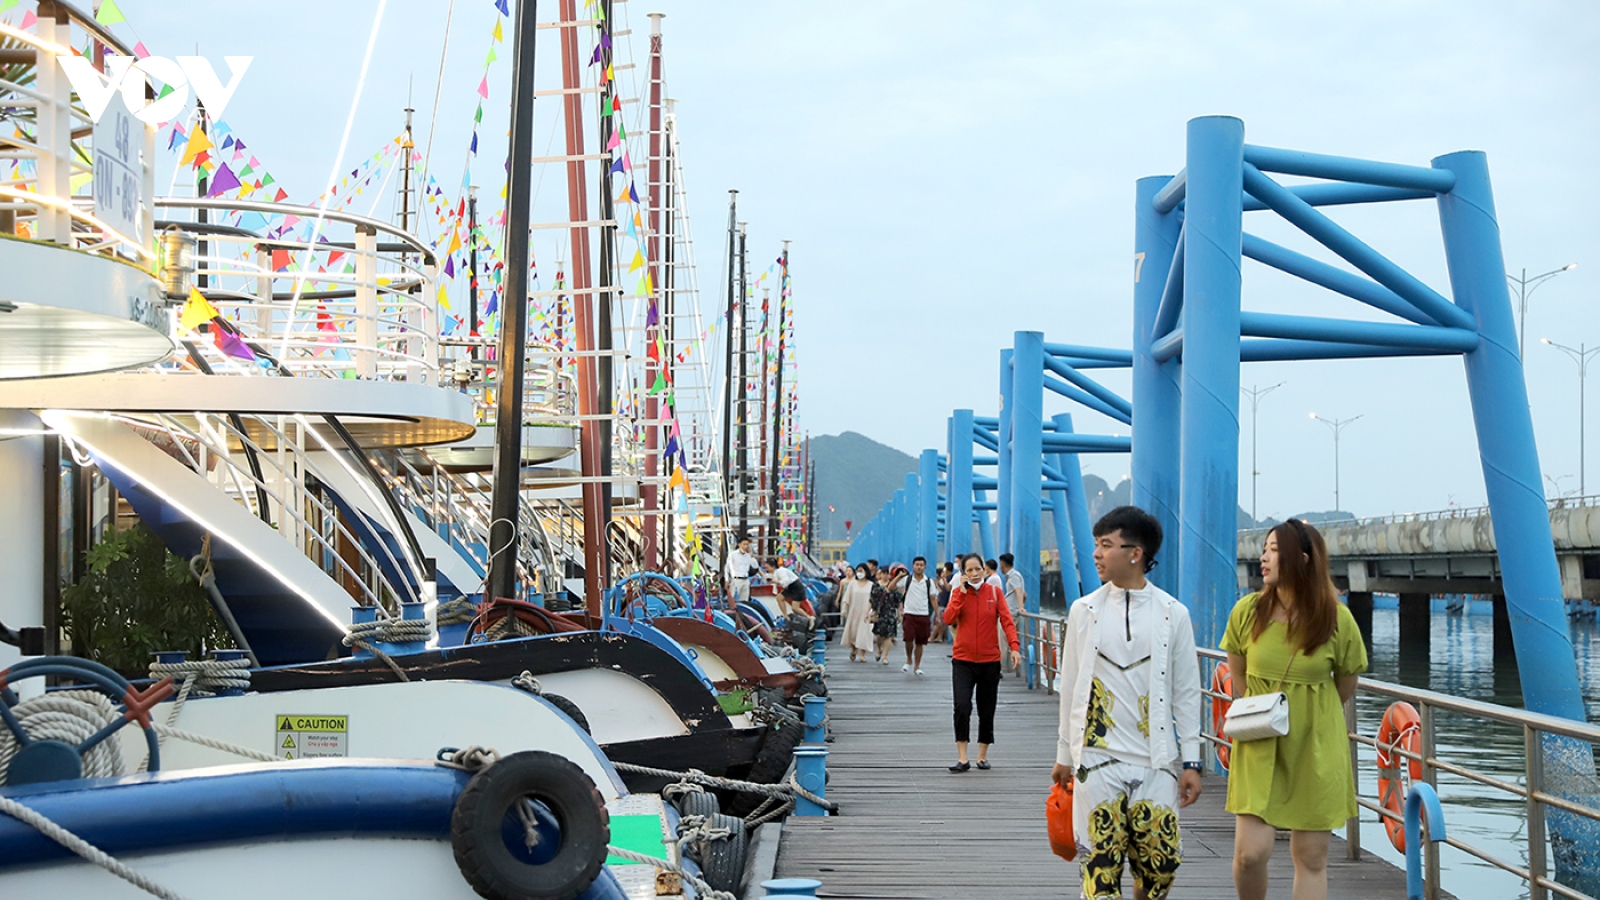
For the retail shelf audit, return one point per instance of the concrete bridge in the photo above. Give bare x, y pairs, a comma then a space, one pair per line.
1447, 552
1419, 555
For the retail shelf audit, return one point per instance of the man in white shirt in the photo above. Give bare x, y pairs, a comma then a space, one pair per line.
916, 620
1129, 742
1016, 595
741, 565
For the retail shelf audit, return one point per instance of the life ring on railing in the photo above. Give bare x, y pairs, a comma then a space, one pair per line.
1401, 728
1221, 683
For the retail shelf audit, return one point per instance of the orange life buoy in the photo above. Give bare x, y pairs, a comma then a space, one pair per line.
1221, 683
1401, 728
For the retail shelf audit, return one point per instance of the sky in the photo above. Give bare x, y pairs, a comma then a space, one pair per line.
950, 173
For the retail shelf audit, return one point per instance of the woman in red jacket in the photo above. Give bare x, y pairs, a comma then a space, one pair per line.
974, 609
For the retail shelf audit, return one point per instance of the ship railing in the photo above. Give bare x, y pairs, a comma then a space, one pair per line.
377, 322
549, 387
457, 507
48, 152
1545, 740
265, 468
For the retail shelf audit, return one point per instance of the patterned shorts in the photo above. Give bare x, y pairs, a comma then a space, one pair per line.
1129, 813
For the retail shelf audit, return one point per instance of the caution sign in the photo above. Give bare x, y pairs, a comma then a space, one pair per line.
312, 737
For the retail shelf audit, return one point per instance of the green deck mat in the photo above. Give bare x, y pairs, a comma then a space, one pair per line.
641, 834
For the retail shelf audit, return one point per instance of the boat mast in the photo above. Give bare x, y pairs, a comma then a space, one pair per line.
727, 377
744, 385
472, 264
503, 521
582, 315
669, 315
604, 298
776, 471
652, 430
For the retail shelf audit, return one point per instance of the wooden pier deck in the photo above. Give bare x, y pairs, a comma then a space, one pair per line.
907, 828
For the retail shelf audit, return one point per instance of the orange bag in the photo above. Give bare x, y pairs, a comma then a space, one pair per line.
1058, 813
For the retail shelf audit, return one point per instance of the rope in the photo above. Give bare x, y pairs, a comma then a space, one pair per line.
698, 777
72, 717
828, 805
467, 759
395, 631
527, 682
680, 789
703, 889
454, 612
205, 676
83, 848
359, 638
167, 731
762, 814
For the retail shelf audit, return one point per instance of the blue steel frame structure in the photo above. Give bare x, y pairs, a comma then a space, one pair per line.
1191, 334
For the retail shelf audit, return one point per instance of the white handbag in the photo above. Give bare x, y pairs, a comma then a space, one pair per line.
1261, 716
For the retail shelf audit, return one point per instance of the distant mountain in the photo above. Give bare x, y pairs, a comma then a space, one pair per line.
855, 475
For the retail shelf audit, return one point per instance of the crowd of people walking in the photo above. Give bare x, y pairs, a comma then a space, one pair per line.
1129, 740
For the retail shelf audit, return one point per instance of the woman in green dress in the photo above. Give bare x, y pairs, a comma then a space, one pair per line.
1294, 636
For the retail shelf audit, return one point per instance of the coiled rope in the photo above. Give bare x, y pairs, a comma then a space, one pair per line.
362, 636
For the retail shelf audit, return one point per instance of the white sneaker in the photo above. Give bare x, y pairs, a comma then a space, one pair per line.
921, 673
906, 667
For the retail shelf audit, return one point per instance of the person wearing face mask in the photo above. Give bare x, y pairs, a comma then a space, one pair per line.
975, 608
855, 604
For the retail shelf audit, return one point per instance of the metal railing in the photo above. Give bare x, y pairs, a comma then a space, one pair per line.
1454, 512
264, 468
380, 321
48, 142
1543, 737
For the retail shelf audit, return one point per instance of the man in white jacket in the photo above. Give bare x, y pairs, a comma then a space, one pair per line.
1130, 716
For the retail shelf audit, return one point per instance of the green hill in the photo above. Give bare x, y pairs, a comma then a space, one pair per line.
855, 475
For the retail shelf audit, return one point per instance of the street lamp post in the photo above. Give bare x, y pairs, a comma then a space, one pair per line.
1336, 426
1255, 394
1581, 355
1525, 287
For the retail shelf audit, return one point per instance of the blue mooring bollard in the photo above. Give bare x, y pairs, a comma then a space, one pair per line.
816, 711
361, 615
409, 612
228, 656
791, 887
819, 646
811, 770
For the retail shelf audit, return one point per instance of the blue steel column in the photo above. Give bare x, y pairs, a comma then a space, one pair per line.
1063, 528
958, 494
1027, 457
1157, 395
911, 532
1002, 495
1539, 632
928, 515
1209, 445
1077, 511
985, 528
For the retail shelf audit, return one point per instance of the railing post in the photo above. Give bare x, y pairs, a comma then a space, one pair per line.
1533, 753
366, 253
1352, 826
1425, 733
264, 297
54, 129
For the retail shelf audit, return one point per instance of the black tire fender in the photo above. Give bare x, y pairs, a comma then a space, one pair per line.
571, 709
722, 861
772, 762
699, 803
566, 791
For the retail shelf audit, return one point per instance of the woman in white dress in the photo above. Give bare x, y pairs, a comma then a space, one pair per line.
855, 603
